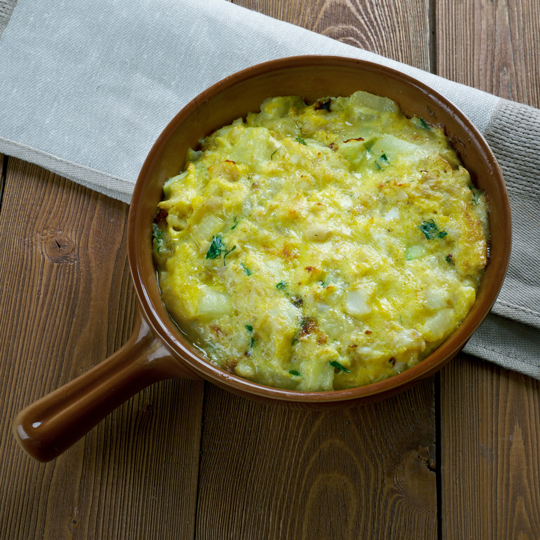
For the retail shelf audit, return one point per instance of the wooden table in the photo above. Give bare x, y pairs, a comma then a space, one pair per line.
456, 457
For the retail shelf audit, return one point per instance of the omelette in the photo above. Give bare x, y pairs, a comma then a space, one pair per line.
321, 246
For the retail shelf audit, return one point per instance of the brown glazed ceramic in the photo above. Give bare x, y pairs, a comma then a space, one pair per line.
158, 350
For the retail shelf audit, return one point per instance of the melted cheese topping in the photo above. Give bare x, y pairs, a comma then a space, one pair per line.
321, 247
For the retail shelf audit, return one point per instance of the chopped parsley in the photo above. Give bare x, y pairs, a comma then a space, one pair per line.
424, 124
431, 231
246, 269
381, 161
294, 372
337, 365
281, 285
475, 194
157, 234
227, 252
236, 222
249, 328
301, 141
272, 156
216, 248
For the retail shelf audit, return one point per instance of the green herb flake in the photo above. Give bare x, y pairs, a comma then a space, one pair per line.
301, 141
249, 328
235, 223
272, 156
450, 259
381, 161
431, 231
227, 253
216, 247
252, 341
424, 124
157, 234
246, 269
337, 365
281, 285
475, 194
294, 372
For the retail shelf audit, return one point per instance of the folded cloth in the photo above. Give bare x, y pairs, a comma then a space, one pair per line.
86, 88
6, 10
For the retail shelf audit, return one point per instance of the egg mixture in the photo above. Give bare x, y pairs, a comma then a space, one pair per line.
321, 247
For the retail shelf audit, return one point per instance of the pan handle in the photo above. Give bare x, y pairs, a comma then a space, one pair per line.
52, 424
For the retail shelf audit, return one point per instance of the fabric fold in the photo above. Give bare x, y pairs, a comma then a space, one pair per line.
6, 10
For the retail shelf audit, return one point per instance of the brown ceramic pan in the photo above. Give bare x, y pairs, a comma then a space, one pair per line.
158, 350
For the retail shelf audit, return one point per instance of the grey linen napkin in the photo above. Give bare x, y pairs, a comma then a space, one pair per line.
86, 88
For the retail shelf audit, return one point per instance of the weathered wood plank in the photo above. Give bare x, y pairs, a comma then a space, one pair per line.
268, 472
399, 30
490, 420
367, 472
67, 302
490, 463
492, 46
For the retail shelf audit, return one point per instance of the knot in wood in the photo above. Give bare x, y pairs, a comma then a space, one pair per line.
58, 247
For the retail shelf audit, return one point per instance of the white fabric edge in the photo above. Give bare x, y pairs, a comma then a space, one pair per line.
90, 178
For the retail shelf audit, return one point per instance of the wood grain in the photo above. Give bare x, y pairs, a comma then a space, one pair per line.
490, 419
367, 472
491, 45
67, 302
396, 29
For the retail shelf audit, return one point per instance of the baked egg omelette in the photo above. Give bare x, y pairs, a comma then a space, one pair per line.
321, 247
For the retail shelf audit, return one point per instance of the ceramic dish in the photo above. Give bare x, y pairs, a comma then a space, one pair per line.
157, 349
